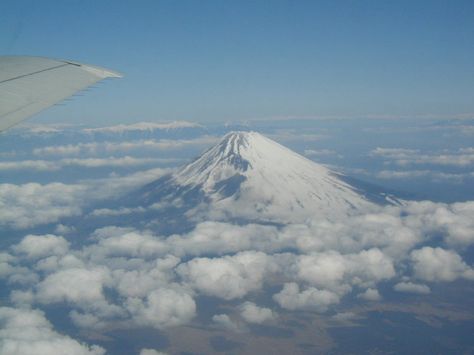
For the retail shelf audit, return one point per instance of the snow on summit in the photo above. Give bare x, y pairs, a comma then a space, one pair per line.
251, 177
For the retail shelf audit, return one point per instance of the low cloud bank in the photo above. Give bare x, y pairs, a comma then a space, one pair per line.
136, 278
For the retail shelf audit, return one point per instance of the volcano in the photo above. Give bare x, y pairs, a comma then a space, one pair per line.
249, 177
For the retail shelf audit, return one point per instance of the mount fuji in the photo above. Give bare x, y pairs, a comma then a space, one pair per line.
248, 177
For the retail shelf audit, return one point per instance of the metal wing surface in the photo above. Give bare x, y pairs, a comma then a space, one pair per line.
31, 84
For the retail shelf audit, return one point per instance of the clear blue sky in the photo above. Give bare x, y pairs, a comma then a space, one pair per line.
237, 60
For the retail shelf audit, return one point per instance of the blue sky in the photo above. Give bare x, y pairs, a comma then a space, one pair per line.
222, 60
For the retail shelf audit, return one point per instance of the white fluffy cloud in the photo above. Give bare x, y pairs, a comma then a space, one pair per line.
337, 272
23, 206
139, 279
371, 294
222, 238
163, 308
27, 331
437, 264
252, 313
329, 259
410, 287
75, 285
14, 273
32, 204
36, 246
227, 277
136, 278
127, 243
311, 298
454, 221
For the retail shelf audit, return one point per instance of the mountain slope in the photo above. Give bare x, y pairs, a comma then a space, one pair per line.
247, 176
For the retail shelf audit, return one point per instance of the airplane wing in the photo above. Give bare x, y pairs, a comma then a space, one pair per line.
31, 84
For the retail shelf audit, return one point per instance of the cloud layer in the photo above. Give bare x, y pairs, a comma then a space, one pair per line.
136, 278
254, 274
32, 204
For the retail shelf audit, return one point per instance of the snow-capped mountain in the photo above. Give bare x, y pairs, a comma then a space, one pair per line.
248, 176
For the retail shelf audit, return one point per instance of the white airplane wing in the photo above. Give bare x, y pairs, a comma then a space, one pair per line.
31, 84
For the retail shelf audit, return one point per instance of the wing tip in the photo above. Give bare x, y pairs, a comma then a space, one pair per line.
98, 71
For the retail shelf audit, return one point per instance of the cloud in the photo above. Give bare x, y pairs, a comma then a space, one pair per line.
371, 294
143, 278
336, 272
125, 161
152, 144
433, 175
32, 204
222, 238
126, 243
14, 273
114, 162
457, 221
252, 313
228, 277
24, 206
91, 321
118, 185
27, 331
140, 145
289, 135
345, 318
461, 158
319, 152
410, 287
69, 149
322, 269
5, 267
452, 221
392, 229
151, 352
394, 153
64, 229
101, 212
384, 229
437, 264
35, 247
41, 129
311, 298
163, 308
22, 298
132, 278
39, 165
55, 263
75, 285
224, 321
147, 294
143, 126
